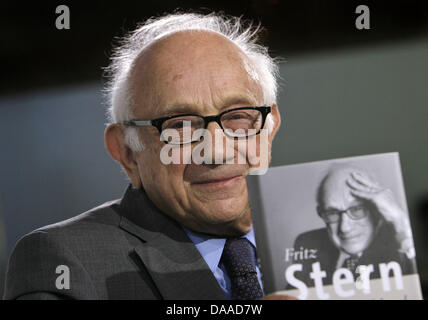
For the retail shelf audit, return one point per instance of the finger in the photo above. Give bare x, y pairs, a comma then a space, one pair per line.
365, 185
355, 185
362, 195
352, 183
365, 180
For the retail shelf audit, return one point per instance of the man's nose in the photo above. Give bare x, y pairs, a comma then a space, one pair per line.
345, 223
222, 150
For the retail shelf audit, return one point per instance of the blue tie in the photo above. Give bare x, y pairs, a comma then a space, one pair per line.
240, 262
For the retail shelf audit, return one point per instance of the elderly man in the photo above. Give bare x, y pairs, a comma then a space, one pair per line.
182, 230
364, 225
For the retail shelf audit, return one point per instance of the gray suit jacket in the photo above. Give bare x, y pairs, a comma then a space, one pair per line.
123, 249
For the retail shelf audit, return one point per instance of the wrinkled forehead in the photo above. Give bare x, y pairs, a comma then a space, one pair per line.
196, 68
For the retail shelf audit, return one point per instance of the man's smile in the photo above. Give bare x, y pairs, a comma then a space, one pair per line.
350, 237
216, 183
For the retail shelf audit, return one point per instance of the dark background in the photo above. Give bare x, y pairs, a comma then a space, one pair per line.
345, 92
35, 54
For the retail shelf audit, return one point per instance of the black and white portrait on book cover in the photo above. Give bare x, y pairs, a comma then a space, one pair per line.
341, 224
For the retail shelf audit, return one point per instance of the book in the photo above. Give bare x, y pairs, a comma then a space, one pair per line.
335, 229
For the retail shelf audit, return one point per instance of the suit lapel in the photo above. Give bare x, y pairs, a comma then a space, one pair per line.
179, 271
170, 257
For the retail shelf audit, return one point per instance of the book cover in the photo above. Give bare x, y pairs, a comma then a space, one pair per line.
335, 229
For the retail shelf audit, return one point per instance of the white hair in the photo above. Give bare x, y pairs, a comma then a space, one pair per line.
118, 90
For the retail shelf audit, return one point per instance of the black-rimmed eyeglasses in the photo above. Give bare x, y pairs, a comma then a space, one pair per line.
333, 215
186, 128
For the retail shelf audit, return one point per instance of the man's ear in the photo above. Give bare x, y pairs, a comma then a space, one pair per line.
276, 117
114, 140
